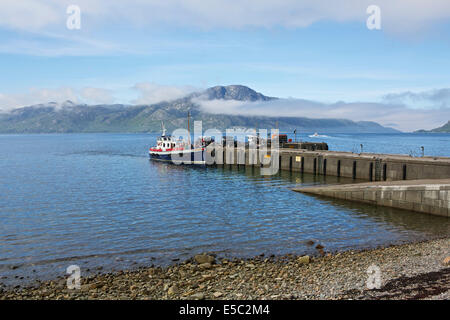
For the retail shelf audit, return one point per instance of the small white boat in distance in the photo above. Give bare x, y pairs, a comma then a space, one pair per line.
316, 135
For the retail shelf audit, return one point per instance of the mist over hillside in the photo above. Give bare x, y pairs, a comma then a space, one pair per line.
69, 117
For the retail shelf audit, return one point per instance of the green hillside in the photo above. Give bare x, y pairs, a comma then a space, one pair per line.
70, 118
444, 129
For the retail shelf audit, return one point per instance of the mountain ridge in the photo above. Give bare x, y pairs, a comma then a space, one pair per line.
69, 117
442, 129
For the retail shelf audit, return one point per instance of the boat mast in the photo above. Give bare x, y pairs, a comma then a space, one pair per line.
189, 129
163, 129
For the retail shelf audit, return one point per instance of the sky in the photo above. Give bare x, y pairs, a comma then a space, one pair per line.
319, 56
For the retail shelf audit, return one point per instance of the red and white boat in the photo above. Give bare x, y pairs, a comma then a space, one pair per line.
178, 151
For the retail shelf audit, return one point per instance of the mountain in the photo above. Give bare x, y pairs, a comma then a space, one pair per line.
69, 117
235, 92
444, 129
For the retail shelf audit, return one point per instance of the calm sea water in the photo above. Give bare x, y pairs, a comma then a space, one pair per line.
95, 200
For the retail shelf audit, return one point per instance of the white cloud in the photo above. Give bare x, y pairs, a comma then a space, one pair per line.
40, 25
437, 98
29, 15
96, 95
36, 96
59, 95
398, 116
154, 93
397, 16
59, 44
148, 93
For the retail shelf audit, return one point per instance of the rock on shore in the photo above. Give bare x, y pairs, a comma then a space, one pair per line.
411, 271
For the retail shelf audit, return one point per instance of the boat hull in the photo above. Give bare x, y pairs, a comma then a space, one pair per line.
195, 156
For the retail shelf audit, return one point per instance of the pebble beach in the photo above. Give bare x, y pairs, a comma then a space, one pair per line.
409, 271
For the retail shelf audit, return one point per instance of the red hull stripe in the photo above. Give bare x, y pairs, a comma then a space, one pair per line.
160, 150
176, 149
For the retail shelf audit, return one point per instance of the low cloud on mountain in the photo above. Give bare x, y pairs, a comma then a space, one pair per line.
396, 115
96, 95
150, 93
33, 96
37, 96
146, 93
394, 111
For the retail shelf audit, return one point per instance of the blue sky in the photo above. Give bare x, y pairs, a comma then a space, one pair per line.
313, 50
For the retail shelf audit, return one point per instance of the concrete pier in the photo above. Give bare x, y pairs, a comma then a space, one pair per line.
426, 196
366, 166
419, 184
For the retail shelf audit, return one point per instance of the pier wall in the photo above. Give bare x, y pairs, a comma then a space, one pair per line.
426, 196
366, 166
371, 167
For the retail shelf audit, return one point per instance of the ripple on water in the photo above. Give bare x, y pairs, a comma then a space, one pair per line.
96, 200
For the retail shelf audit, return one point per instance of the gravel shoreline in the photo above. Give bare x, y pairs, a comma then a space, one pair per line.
409, 271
